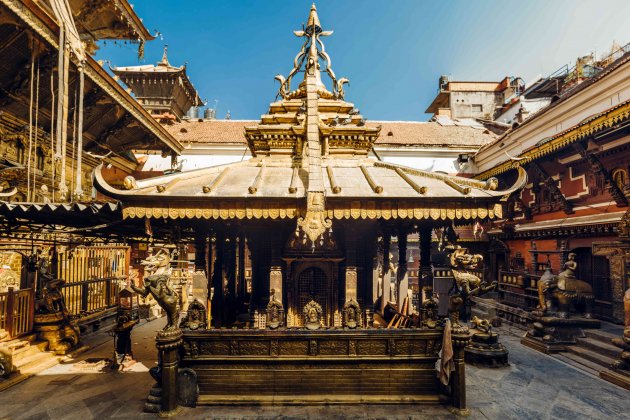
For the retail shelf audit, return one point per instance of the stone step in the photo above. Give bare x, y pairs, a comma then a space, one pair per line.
601, 360
600, 335
39, 365
23, 352
35, 359
579, 362
600, 347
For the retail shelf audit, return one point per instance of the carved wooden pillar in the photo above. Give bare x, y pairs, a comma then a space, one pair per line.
218, 303
386, 280
350, 280
402, 276
425, 257
242, 285
377, 259
200, 252
229, 268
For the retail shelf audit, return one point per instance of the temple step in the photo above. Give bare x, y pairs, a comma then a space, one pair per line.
592, 356
601, 335
604, 348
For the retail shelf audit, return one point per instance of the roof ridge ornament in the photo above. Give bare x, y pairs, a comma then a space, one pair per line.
164, 61
313, 48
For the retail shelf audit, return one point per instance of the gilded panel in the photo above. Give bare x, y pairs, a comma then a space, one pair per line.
372, 347
253, 348
294, 348
333, 347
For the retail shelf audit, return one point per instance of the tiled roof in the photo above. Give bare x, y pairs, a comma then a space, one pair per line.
393, 133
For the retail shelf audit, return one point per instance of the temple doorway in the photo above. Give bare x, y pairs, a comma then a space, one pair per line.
595, 270
313, 284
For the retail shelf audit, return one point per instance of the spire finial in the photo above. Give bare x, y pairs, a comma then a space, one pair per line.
164, 61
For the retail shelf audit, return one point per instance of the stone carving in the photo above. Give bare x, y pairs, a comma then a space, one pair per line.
8, 279
195, 318
156, 284
564, 292
312, 315
275, 312
352, 314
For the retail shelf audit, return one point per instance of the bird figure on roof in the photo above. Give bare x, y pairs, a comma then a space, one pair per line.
339, 92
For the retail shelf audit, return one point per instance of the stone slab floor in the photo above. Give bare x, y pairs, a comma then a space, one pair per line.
535, 386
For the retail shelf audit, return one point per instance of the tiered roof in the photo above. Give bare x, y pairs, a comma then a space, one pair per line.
310, 162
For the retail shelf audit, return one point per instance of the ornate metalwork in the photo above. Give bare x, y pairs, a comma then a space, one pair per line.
196, 317
352, 314
156, 283
313, 314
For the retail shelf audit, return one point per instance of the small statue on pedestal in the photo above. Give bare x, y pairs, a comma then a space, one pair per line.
564, 309
51, 320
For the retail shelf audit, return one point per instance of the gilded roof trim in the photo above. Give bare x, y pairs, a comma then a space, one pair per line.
580, 131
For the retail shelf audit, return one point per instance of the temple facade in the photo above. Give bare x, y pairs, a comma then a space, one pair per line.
576, 201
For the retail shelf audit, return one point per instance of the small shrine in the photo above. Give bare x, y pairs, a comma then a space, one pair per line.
316, 213
162, 89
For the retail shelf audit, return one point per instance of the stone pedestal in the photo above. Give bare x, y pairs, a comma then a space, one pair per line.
163, 396
486, 350
57, 330
549, 334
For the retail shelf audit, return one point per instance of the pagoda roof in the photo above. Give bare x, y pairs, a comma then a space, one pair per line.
162, 68
361, 182
310, 163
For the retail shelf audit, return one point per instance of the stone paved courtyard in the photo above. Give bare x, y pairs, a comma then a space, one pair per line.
535, 386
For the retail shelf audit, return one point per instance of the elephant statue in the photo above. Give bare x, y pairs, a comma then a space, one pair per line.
564, 293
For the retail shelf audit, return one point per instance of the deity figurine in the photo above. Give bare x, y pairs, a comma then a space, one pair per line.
156, 283
564, 291
467, 284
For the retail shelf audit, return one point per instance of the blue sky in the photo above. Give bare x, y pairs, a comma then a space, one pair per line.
393, 51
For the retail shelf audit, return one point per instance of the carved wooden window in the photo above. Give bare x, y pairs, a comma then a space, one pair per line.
620, 178
40, 159
20, 152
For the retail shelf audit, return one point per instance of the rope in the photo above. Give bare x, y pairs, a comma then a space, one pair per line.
60, 87
63, 187
36, 131
30, 128
78, 192
52, 138
74, 135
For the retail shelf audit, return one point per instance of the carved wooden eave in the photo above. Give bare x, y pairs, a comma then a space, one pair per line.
106, 19
223, 192
593, 125
106, 102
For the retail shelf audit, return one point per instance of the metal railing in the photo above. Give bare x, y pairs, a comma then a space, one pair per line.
16, 311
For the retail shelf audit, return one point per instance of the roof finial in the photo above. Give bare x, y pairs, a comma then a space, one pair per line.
164, 61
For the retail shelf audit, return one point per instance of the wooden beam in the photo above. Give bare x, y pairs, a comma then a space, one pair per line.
597, 167
552, 185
